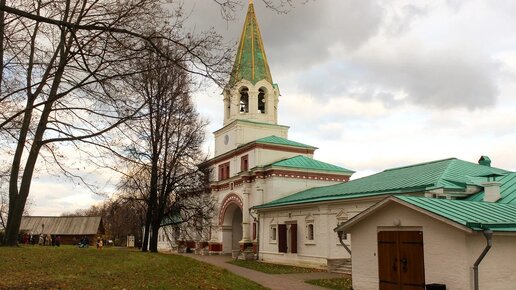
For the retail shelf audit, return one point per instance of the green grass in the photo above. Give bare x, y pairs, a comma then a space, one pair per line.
336, 283
35, 267
273, 268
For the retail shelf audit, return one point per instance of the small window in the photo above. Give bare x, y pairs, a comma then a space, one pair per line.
309, 229
244, 163
310, 232
339, 234
342, 217
224, 171
273, 232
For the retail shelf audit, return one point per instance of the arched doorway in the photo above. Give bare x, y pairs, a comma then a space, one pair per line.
232, 228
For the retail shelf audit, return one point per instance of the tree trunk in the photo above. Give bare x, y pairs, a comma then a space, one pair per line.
145, 242
18, 197
154, 237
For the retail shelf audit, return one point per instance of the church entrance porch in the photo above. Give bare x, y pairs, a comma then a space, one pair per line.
232, 229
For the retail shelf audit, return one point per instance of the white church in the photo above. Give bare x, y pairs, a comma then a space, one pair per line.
276, 203
255, 162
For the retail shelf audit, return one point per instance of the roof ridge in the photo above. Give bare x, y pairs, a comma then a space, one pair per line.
496, 204
441, 177
309, 163
292, 142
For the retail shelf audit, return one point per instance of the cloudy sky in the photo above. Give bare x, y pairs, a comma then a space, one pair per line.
373, 84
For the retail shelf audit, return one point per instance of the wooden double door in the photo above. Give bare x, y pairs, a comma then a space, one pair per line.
287, 238
401, 264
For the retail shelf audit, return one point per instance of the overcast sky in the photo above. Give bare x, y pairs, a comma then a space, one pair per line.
373, 84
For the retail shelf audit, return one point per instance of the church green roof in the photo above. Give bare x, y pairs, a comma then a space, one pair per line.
282, 141
473, 214
250, 62
303, 162
449, 174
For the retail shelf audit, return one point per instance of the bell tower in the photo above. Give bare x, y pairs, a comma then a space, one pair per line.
250, 97
250, 93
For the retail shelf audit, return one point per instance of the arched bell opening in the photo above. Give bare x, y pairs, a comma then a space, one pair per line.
262, 100
244, 100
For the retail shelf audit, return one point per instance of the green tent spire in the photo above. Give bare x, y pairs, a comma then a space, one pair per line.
250, 62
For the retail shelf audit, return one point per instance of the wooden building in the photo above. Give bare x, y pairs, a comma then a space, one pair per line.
70, 229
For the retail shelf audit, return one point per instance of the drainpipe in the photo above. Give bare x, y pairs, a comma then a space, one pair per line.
257, 221
340, 234
489, 239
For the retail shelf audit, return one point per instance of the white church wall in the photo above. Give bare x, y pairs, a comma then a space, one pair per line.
253, 132
166, 239
256, 157
325, 244
278, 187
221, 146
266, 156
240, 133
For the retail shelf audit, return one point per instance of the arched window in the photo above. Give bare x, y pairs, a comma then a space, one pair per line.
273, 232
310, 230
310, 234
261, 100
244, 100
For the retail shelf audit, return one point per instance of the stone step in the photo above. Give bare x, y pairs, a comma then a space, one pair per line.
342, 272
342, 269
341, 266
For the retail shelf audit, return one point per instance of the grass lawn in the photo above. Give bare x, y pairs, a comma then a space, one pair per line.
68, 267
273, 268
337, 283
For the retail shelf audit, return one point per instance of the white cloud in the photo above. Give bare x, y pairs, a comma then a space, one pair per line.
51, 197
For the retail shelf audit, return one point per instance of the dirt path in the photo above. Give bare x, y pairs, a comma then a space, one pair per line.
272, 281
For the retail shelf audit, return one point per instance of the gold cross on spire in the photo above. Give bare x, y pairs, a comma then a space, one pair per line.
250, 1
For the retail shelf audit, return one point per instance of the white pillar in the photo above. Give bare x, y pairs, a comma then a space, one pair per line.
245, 215
253, 103
215, 234
227, 107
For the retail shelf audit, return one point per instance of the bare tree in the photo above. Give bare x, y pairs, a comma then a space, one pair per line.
64, 74
165, 145
120, 217
63, 69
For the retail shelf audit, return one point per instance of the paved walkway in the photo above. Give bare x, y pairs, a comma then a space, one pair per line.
272, 281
